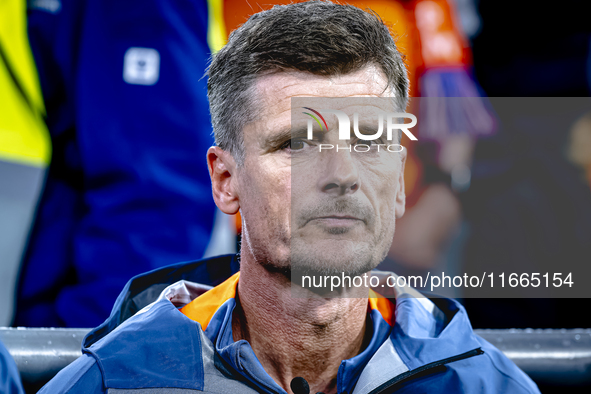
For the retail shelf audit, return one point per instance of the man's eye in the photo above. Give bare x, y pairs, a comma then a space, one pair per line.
365, 142
294, 144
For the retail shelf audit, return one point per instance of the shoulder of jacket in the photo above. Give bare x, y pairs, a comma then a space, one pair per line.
82, 376
509, 371
156, 348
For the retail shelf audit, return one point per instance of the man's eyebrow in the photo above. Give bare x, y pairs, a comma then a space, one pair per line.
285, 134
368, 128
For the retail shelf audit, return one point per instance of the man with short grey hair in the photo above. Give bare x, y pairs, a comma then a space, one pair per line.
328, 213
318, 38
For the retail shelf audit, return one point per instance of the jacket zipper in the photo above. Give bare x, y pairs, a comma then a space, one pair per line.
424, 370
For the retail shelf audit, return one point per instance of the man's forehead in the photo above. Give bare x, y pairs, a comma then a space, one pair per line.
275, 91
282, 86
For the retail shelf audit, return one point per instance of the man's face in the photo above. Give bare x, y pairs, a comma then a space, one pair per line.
318, 212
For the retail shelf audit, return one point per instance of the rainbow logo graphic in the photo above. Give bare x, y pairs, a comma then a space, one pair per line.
315, 118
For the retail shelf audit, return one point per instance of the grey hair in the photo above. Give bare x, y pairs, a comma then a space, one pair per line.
318, 37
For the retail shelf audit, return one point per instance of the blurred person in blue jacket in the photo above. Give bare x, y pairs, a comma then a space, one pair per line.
25, 147
10, 381
261, 330
127, 190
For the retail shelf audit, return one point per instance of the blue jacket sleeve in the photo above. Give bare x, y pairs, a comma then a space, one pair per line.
83, 376
509, 378
10, 382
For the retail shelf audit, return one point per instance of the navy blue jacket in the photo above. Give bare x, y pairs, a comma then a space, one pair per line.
430, 347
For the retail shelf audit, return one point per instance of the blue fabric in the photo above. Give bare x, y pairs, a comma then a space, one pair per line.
83, 376
10, 381
172, 359
418, 340
143, 289
127, 190
144, 351
351, 369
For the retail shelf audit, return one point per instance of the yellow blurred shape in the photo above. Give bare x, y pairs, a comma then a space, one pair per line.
23, 134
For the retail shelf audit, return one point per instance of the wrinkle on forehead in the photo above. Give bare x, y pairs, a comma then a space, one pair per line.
367, 82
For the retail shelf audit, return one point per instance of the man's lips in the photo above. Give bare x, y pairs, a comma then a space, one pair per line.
337, 220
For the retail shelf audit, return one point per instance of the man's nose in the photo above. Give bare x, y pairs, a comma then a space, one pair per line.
340, 176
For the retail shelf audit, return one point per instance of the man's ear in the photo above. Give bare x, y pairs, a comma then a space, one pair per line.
400, 203
222, 171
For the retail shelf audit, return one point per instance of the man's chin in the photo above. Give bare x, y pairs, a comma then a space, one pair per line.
333, 262
321, 276
326, 259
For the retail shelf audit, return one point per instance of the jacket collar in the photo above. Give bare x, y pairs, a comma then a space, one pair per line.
144, 289
213, 310
423, 331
